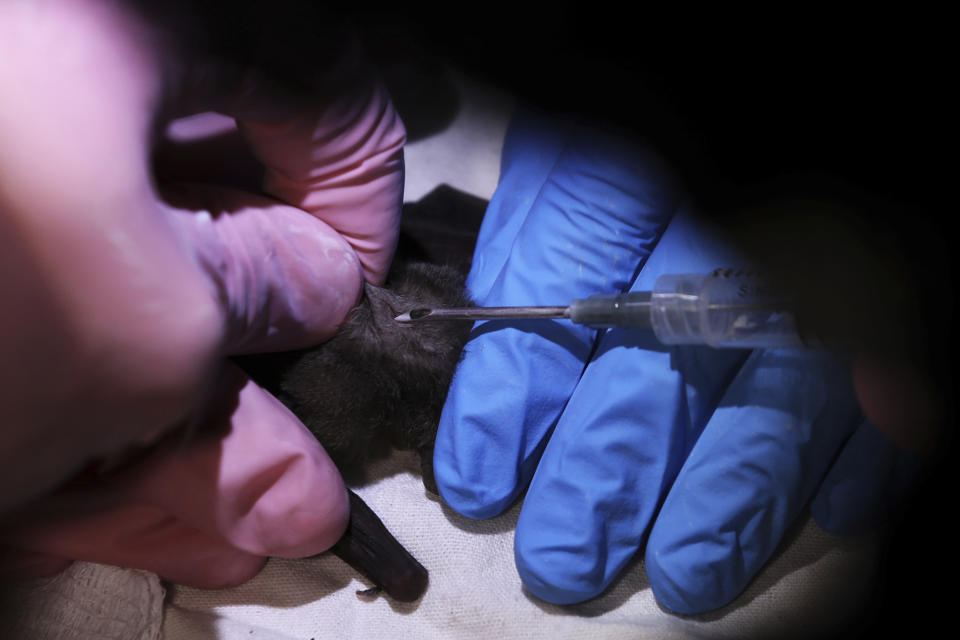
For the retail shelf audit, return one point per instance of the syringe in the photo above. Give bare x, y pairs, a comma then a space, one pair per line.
723, 309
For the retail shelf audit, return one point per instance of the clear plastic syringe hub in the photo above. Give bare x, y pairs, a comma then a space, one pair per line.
723, 309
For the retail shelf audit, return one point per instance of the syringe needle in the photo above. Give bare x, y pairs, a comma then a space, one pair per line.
719, 309
484, 313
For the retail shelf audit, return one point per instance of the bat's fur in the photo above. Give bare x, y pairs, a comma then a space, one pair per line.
377, 384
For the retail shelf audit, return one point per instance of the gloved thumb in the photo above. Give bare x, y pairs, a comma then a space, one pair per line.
203, 511
283, 278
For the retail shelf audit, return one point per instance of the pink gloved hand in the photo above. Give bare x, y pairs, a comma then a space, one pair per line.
124, 298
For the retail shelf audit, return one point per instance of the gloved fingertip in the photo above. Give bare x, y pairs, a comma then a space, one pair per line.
471, 499
553, 576
552, 593
476, 463
270, 489
310, 500
320, 525
684, 587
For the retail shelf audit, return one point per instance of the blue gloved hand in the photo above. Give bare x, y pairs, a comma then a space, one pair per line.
706, 455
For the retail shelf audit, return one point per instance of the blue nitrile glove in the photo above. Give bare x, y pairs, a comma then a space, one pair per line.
606, 427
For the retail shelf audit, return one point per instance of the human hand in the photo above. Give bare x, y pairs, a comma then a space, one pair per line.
125, 298
705, 456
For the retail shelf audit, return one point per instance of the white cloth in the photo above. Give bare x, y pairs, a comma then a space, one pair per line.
86, 601
815, 584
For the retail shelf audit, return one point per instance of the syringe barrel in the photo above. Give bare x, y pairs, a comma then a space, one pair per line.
722, 309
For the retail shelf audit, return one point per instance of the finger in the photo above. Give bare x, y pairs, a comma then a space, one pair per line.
756, 465
612, 457
265, 486
204, 512
283, 279
867, 483
341, 161
126, 535
94, 283
531, 149
569, 219
621, 440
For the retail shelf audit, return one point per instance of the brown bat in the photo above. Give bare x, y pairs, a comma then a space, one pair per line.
377, 385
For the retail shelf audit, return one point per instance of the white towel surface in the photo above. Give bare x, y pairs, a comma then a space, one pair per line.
86, 601
814, 585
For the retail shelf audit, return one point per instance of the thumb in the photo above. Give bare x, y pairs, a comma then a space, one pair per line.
283, 278
341, 161
204, 512
259, 479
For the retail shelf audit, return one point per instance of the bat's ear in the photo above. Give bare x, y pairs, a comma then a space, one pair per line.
426, 469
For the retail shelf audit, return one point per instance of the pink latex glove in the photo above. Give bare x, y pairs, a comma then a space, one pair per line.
122, 304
